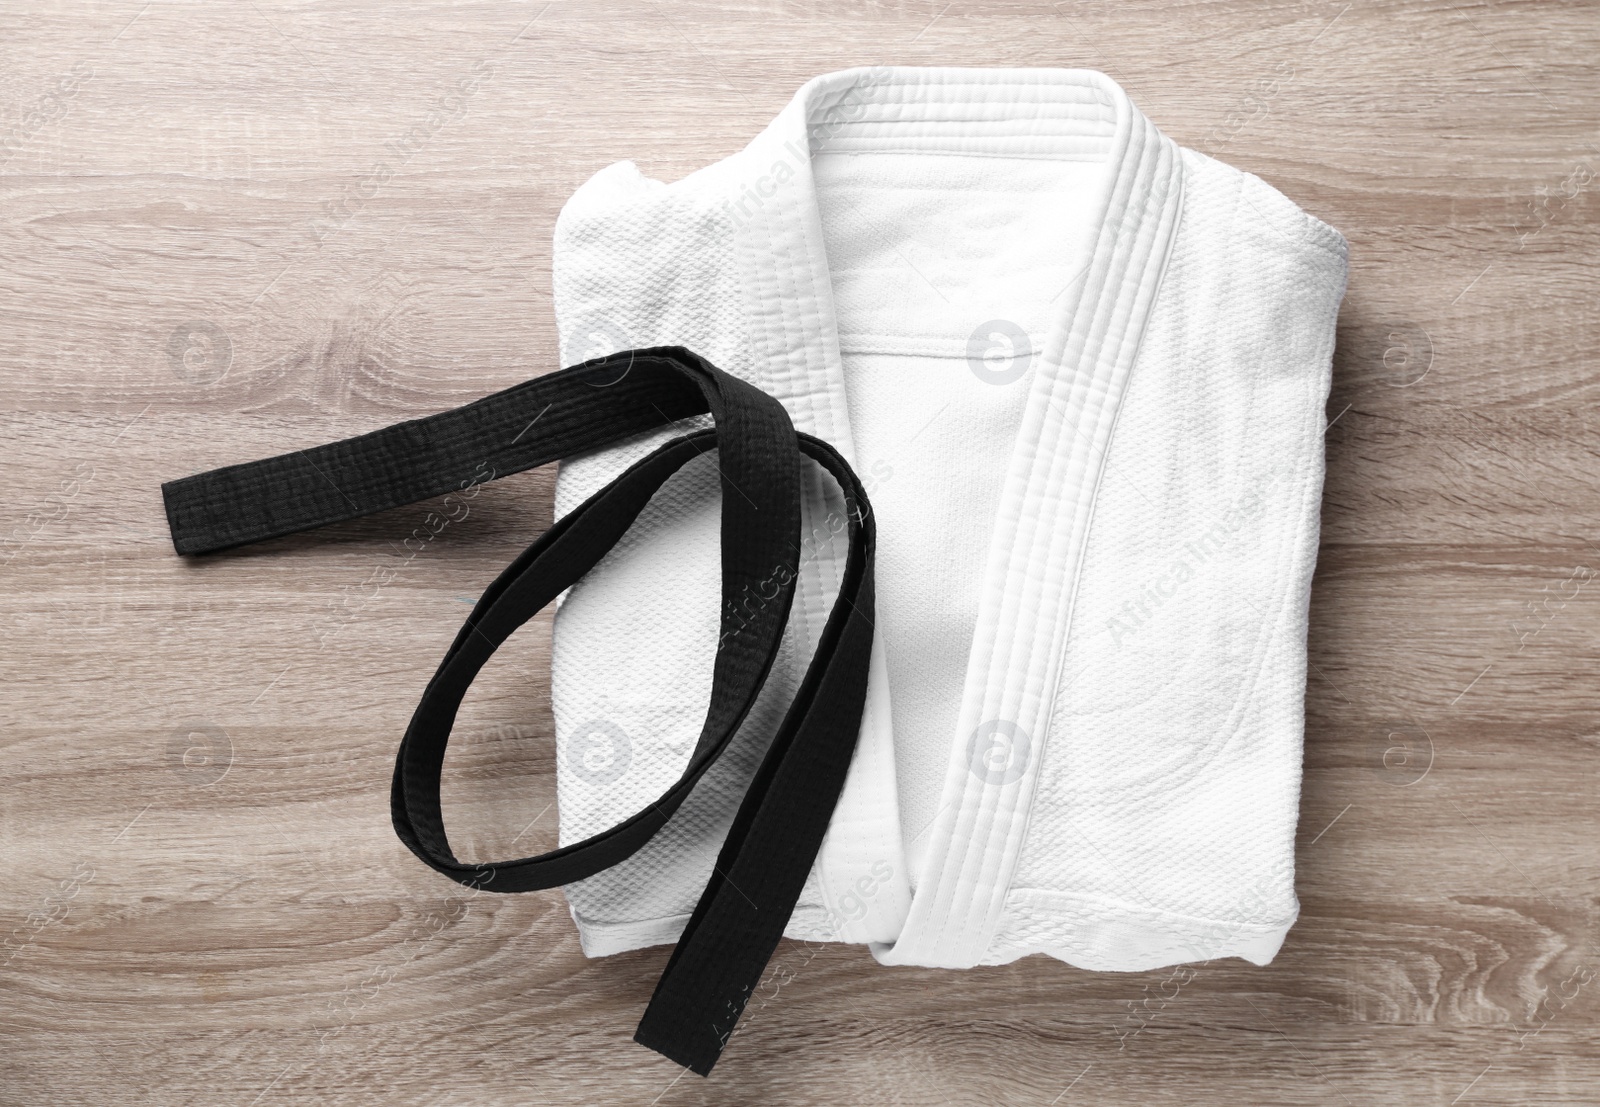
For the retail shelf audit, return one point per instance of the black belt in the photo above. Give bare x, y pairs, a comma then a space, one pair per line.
778, 829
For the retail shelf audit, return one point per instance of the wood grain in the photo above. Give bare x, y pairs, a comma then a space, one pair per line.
205, 260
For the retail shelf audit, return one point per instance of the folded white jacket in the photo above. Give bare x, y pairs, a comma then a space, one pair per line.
1082, 373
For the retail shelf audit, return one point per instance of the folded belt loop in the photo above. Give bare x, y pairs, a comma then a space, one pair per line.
778, 828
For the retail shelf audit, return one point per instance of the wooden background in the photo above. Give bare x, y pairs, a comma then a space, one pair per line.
201, 262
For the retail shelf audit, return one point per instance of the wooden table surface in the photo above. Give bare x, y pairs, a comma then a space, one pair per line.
230, 230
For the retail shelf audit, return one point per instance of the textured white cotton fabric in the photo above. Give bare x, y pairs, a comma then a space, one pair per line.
1081, 373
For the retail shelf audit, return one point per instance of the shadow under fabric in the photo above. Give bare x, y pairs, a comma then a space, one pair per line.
785, 812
